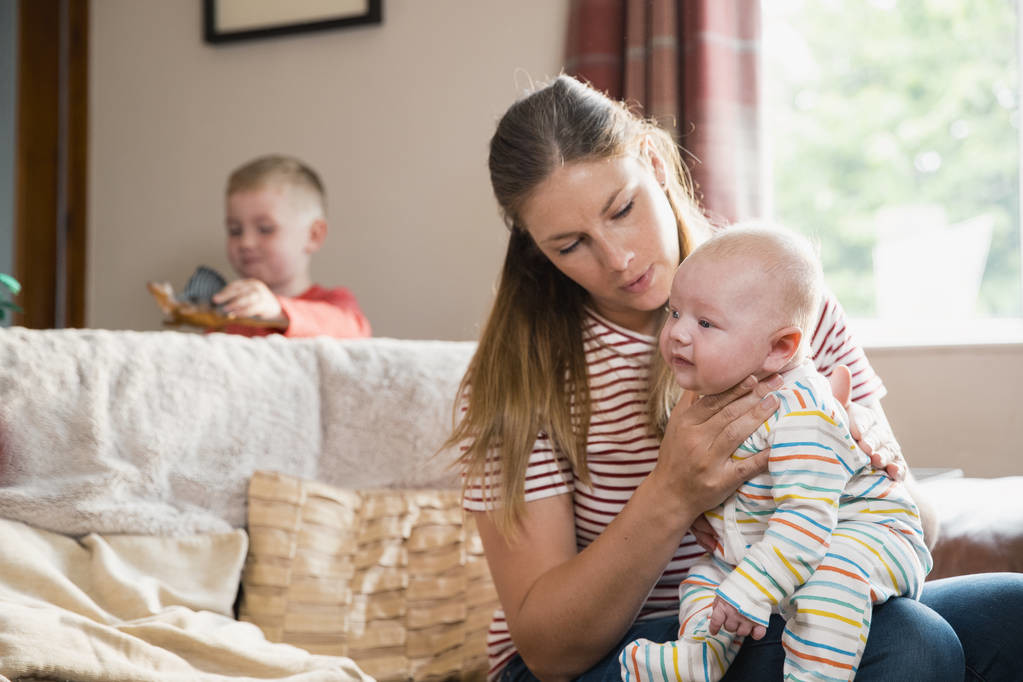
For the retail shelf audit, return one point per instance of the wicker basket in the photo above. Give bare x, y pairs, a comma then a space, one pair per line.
394, 579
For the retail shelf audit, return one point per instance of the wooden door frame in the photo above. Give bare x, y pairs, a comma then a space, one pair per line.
51, 147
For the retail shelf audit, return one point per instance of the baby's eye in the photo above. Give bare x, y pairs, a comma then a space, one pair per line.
234, 231
266, 229
705, 324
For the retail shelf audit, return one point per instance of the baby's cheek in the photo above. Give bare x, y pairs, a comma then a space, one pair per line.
662, 342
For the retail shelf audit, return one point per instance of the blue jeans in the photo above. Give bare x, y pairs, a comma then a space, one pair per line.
963, 628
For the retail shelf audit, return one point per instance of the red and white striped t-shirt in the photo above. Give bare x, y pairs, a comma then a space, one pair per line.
622, 448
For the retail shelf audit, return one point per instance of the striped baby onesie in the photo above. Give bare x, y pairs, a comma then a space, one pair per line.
819, 538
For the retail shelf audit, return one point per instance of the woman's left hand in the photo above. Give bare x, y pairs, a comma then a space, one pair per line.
869, 428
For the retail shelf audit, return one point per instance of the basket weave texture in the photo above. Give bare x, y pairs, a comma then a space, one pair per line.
393, 579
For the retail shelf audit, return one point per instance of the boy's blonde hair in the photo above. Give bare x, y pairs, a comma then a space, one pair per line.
276, 168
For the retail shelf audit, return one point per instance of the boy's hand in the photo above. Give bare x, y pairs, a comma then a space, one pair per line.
248, 298
727, 616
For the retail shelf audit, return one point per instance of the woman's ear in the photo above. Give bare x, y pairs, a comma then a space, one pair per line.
656, 161
784, 345
317, 235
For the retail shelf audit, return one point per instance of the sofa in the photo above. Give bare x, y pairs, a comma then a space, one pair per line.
178, 506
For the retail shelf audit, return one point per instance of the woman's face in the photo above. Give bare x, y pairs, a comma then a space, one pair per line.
608, 226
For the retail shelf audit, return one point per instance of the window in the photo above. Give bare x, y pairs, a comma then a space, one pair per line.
894, 137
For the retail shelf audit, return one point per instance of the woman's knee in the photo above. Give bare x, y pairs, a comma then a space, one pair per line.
909, 641
986, 612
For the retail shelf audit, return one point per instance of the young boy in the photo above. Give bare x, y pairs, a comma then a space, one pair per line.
821, 536
276, 221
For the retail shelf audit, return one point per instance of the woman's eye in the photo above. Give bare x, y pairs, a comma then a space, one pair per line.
234, 232
674, 314
624, 210
568, 249
705, 324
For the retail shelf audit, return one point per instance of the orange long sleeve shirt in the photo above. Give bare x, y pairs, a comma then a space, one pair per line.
316, 312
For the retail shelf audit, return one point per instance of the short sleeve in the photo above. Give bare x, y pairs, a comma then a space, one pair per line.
547, 474
833, 344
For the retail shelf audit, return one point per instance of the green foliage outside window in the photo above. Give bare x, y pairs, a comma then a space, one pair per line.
890, 102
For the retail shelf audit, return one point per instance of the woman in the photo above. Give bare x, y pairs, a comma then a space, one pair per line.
583, 507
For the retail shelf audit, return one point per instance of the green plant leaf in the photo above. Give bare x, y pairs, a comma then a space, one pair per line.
10, 283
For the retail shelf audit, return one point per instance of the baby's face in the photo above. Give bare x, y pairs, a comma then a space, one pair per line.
268, 235
716, 333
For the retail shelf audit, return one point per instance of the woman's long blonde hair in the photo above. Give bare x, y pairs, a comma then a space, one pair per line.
528, 375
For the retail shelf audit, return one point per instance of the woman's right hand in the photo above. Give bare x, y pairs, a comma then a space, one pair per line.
695, 464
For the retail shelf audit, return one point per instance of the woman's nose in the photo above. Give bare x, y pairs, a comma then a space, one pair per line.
617, 255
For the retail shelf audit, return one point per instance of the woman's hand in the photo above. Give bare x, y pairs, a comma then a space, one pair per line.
869, 428
695, 467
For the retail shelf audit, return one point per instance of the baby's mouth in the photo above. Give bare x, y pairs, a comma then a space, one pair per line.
680, 361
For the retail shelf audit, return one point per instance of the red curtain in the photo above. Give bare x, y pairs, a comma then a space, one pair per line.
692, 65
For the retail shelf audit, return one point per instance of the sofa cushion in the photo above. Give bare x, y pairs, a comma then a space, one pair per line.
981, 525
394, 579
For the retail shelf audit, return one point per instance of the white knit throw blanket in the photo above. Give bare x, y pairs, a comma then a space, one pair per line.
159, 432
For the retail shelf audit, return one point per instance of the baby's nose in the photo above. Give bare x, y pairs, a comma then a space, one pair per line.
680, 333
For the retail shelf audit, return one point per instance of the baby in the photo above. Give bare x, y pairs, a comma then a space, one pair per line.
821, 536
276, 221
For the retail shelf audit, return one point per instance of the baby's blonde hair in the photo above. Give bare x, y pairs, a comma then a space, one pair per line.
789, 264
276, 168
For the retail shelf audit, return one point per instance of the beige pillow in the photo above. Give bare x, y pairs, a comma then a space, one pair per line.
394, 579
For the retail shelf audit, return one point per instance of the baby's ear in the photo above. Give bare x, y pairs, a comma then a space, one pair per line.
317, 235
784, 344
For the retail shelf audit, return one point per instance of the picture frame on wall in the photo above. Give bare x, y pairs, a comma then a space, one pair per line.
226, 21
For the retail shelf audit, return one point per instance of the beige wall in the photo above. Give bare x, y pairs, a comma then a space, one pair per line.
396, 118
957, 406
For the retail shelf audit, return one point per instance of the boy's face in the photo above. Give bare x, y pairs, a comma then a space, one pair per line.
716, 333
269, 235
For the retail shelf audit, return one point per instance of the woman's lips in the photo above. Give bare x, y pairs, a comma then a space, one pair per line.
642, 283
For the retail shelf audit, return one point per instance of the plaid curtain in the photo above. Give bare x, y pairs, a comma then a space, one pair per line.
692, 65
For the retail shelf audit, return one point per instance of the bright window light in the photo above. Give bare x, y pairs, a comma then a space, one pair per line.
894, 140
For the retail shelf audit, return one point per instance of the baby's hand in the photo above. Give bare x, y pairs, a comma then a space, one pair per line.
248, 298
704, 533
725, 615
